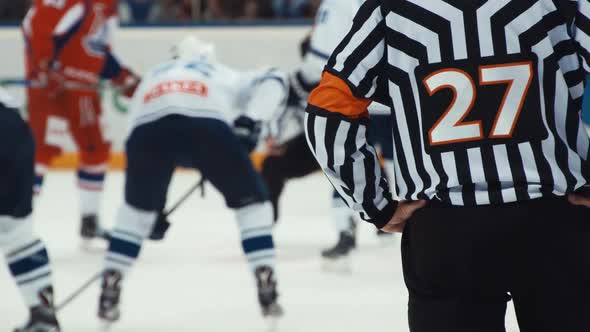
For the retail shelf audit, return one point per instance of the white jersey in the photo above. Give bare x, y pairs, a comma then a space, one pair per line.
208, 90
333, 21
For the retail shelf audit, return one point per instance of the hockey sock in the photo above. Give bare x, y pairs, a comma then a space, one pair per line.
342, 215
40, 171
255, 222
132, 227
26, 257
37, 184
90, 183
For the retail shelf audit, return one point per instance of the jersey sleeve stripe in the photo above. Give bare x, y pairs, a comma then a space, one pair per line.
335, 95
331, 131
367, 56
309, 125
350, 163
368, 18
70, 19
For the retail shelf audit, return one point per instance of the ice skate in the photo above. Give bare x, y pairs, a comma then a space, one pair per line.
89, 228
90, 231
346, 243
42, 317
337, 258
108, 307
267, 292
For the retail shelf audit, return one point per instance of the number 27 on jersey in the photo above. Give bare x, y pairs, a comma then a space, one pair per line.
480, 104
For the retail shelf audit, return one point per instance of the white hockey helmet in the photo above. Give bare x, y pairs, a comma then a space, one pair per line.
191, 48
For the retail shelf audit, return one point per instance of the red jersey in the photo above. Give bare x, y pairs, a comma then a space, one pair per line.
72, 33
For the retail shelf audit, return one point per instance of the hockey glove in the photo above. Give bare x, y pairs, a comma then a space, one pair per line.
49, 78
126, 82
299, 90
248, 132
160, 227
305, 46
294, 99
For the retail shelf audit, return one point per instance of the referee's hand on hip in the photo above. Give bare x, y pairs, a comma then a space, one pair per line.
577, 199
404, 211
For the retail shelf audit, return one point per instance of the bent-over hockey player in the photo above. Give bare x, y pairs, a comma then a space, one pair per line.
24, 252
196, 113
293, 159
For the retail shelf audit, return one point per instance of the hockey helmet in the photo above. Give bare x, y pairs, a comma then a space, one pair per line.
191, 48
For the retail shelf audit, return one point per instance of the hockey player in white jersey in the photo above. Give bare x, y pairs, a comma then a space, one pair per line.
292, 159
197, 113
25, 253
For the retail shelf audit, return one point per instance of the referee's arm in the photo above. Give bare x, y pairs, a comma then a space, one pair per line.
337, 119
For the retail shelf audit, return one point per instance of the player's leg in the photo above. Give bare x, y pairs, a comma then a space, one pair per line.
85, 126
553, 292
344, 221
25, 252
457, 264
150, 164
227, 166
40, 108
296, 161
343, 218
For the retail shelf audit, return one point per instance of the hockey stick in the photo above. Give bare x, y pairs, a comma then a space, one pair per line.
182, 199
15, 81
74, 295
68, 85
162, 224
77, 292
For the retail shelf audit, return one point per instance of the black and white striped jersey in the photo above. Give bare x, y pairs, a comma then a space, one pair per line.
485, 98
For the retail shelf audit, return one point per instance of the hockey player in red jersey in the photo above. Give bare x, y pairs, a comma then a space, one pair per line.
68, 52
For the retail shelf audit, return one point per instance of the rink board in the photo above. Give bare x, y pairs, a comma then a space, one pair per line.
242, 47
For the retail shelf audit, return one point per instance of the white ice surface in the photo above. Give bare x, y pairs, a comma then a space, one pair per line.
197, 280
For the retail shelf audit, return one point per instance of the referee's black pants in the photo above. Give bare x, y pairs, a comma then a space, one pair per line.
463, 264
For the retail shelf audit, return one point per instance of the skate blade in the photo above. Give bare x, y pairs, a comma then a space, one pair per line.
105, 325
93, 246
273, 323
387, 241
341, 265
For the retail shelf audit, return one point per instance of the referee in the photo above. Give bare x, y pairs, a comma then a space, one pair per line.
490, 154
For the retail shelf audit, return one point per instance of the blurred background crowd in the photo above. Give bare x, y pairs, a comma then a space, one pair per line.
186, 11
